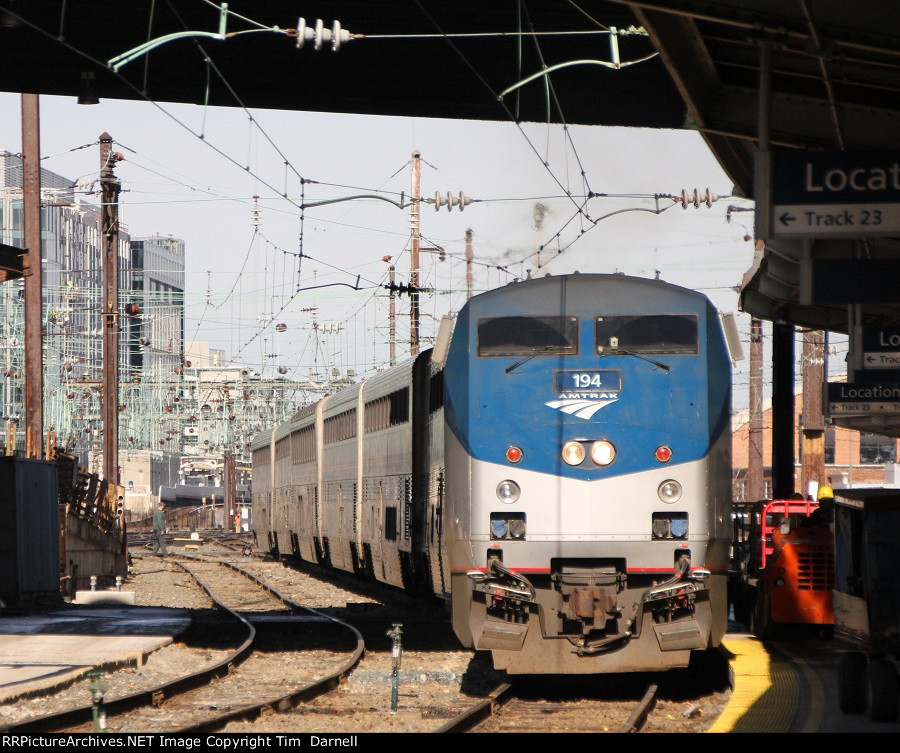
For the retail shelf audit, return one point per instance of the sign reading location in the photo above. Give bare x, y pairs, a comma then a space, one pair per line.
881, 338
881, 348
863, 398
834, 194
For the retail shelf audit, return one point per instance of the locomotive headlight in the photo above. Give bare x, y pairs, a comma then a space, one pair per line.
669, 491
603, 452
573, 453
508, 492
499, 528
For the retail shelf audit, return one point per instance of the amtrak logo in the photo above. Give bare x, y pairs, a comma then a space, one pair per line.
582, 404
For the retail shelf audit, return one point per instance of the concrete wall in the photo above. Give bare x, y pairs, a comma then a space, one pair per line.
90, 551
142, 474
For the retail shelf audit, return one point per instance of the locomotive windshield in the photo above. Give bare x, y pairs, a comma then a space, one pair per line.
657, 334
527, 335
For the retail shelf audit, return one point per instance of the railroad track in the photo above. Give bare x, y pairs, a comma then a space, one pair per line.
437, 686
503, 711
250, 681
145, 538
677, 701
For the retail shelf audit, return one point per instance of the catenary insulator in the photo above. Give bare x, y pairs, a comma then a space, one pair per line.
318, 34
450, 201
697, 197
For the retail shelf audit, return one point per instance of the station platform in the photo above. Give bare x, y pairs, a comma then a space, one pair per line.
788, 686
44, 651
785, 686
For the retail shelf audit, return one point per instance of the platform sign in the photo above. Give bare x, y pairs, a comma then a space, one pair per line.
844, 281
864, 398
881, 348
835, 194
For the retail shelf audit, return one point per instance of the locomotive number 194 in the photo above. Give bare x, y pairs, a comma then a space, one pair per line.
609, 380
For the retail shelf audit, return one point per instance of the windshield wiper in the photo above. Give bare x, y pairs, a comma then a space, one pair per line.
623, 352
544, 349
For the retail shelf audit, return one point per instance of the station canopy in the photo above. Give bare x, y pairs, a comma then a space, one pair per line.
835, 81
422, 58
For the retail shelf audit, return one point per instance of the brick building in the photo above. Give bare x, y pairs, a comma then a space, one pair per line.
851, 457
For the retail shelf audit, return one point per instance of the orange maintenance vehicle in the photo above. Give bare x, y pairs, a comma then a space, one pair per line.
783, 563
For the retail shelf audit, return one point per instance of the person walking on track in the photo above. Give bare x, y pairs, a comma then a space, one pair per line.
159, 529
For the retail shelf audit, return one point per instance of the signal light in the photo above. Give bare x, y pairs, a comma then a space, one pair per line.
663, 453
513, 454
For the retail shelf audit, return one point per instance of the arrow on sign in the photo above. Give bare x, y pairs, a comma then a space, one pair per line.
786, 218
870, 359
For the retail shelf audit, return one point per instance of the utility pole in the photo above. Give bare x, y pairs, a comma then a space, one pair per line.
469, 258
392, 327
109, 240
230, 487
812, 449
756, 486
414, 257
31, 220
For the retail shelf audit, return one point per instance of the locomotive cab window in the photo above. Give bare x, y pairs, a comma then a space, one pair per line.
656, 334
527, 335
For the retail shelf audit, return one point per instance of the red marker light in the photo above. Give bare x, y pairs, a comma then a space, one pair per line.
663, 454
513, 454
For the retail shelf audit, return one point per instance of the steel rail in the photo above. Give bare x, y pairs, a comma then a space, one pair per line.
287, 701
475, 715
156, 696
638, 718
152, 696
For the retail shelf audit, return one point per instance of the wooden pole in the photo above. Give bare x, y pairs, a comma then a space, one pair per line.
31, 220
109, 239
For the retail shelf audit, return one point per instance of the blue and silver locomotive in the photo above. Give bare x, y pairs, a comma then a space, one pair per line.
560, 474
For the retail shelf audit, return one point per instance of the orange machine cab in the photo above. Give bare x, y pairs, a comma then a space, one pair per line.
799, 576
783, 565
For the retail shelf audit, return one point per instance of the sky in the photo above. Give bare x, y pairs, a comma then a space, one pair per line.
288, 217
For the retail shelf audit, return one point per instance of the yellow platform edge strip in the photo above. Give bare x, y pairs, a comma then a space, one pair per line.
764, 698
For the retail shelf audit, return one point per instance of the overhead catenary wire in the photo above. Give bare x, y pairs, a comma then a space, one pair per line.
301, 255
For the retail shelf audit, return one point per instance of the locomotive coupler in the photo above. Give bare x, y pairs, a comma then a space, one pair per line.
509, 600
678, 593
502, 584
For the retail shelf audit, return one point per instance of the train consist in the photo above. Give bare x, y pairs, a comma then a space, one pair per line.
560, 474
